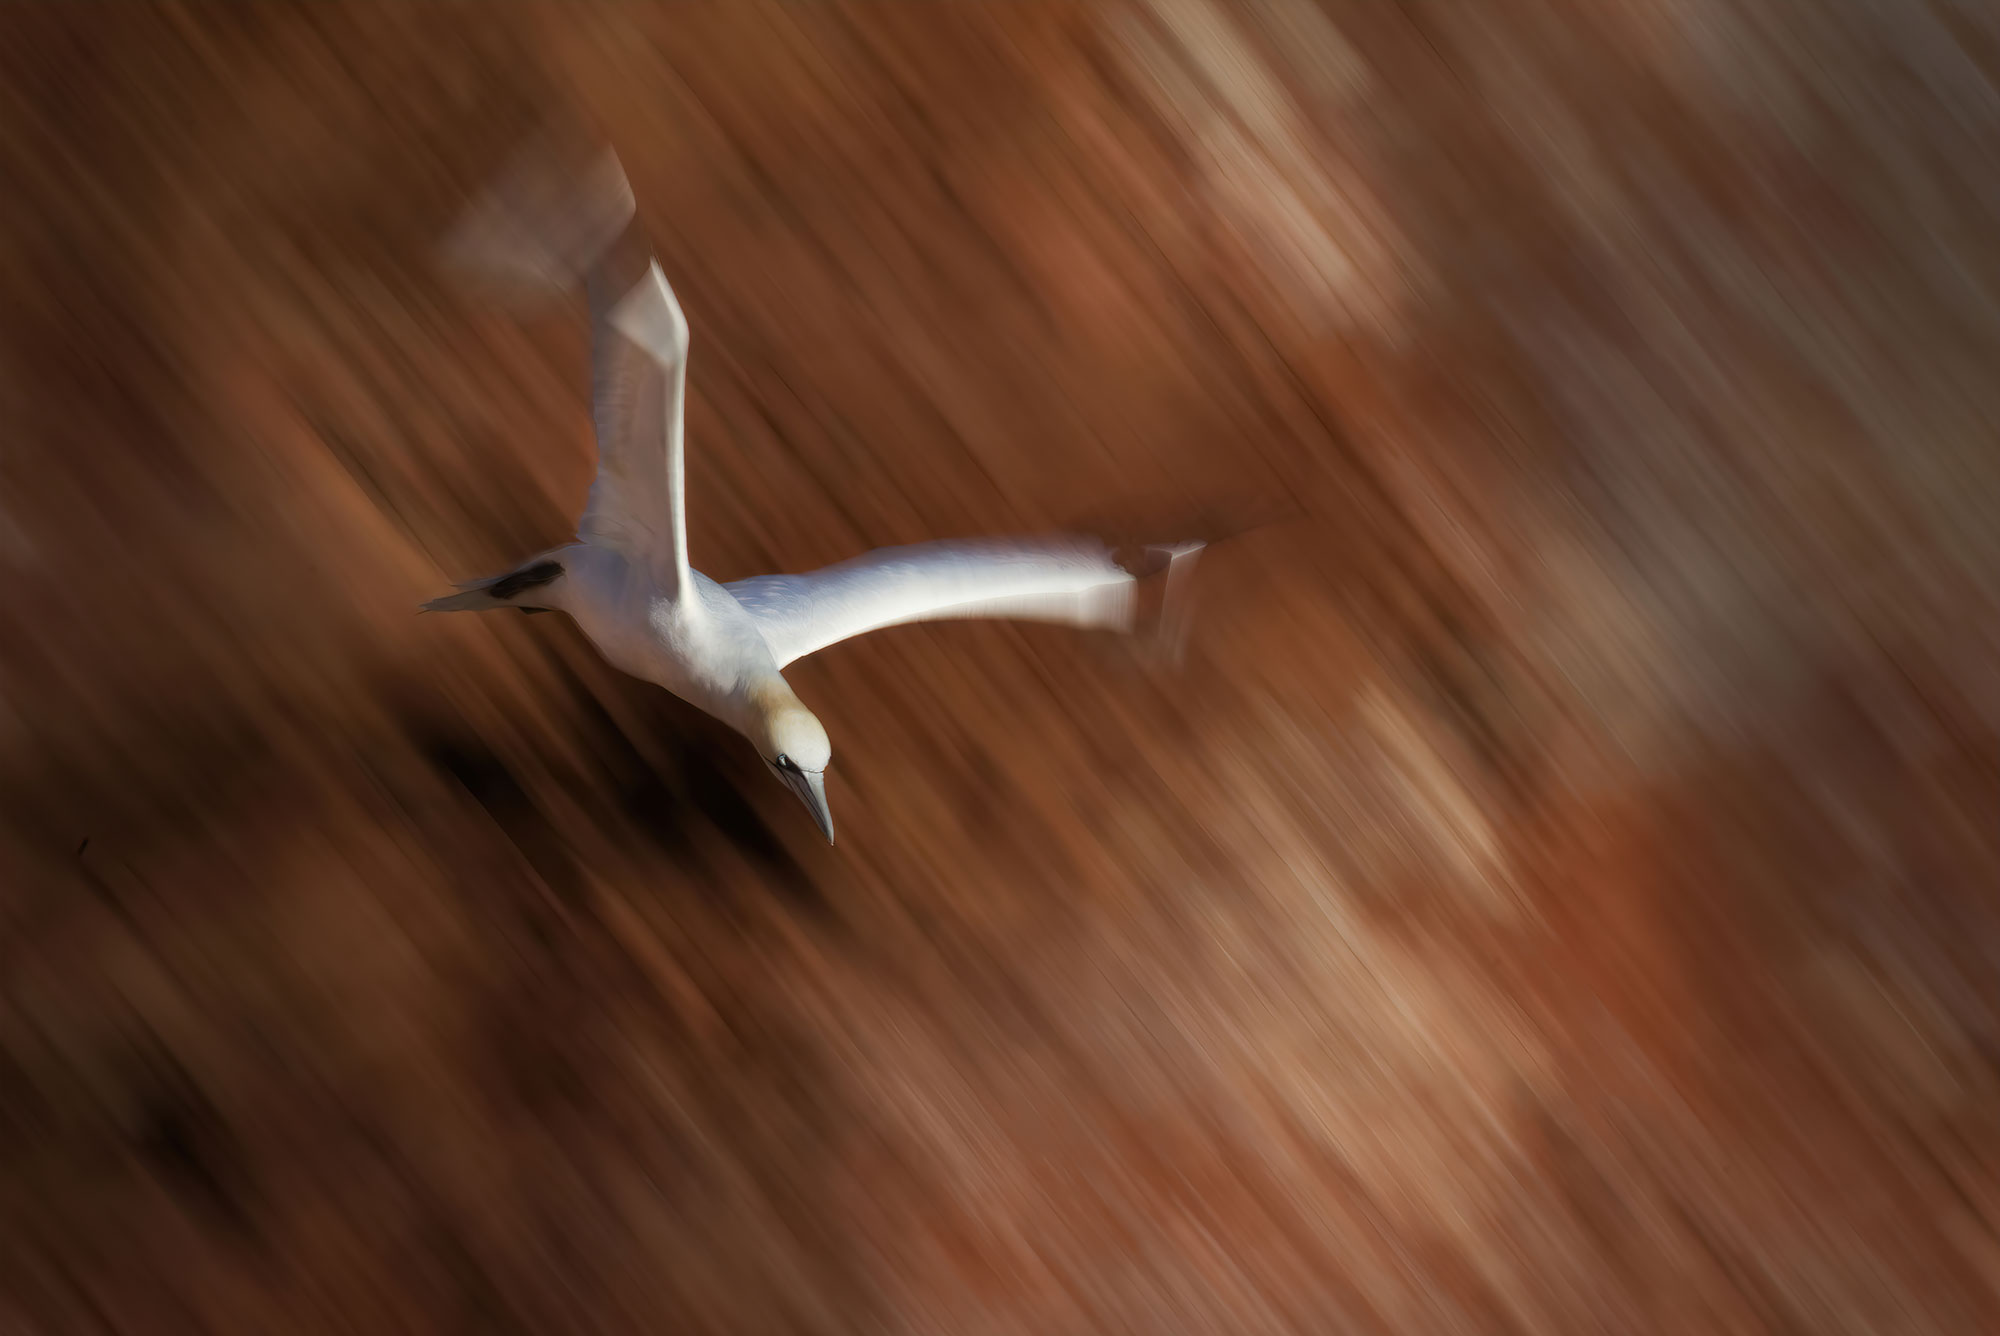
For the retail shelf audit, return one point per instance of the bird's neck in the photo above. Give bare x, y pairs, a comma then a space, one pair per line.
757, 704
767, 694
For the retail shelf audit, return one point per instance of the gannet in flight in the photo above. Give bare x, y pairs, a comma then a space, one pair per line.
626, 580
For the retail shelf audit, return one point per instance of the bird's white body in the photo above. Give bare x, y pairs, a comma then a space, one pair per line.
702, 645
626, 580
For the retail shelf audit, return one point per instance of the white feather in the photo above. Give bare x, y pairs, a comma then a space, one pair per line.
1072, 582
639, 352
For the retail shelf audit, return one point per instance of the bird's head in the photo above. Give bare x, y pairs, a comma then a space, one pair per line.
794, 745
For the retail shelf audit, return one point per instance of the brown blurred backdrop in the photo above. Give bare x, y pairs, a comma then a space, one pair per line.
1557, 895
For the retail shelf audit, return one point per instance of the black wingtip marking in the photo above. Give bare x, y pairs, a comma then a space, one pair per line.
516, 583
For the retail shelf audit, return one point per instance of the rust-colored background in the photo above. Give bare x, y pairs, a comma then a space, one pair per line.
1556, 895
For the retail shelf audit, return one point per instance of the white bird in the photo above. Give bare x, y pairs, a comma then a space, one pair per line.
626, 579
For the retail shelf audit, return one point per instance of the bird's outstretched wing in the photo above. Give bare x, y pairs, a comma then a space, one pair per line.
561, 214
1074, 582
639, 346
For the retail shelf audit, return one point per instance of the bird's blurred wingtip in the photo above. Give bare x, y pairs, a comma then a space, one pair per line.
535, 230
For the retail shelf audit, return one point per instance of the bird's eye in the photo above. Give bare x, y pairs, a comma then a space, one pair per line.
785, 762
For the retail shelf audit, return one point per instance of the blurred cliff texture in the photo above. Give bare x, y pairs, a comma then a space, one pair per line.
1560, 892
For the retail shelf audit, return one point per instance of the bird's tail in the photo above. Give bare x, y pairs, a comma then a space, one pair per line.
529, 587
545, 221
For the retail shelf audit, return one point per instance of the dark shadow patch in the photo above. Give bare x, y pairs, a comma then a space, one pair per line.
515, 583
659, 801
184, 1142
713, 772
643, 793
493, 786
721, 799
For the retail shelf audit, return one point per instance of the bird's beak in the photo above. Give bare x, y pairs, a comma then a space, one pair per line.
811, 788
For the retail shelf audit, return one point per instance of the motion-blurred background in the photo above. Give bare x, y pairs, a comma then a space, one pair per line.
1557, 894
